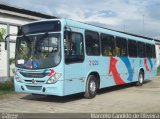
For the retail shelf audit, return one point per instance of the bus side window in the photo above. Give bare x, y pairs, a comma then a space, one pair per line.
148, 50
117, 51
107, 45
73, 47
141, 50
121, 47
132, 48
153, 51
92, 43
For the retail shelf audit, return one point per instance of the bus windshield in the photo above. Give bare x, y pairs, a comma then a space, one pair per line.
38, 51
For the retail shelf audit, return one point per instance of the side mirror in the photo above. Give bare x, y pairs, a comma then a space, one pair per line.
6, 41
9, 40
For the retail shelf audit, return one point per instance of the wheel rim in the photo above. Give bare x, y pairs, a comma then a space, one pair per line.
141, 78
92, 87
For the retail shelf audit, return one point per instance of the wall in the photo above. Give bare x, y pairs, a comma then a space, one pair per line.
13, 23
3, 61
158, 54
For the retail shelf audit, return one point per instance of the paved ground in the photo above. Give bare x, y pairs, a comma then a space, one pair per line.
128, 98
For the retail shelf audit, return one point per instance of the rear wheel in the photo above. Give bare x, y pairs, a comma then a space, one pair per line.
91, 87
140, 79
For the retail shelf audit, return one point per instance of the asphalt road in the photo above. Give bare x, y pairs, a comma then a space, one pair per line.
127, 99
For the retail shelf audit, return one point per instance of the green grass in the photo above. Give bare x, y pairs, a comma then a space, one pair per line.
6, 92
158, 71
6, 87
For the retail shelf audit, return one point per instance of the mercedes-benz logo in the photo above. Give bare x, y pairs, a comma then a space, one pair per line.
33, 81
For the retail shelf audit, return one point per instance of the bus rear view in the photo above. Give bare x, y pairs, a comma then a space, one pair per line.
38, 58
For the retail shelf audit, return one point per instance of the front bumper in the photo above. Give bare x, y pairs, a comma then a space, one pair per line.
44, 89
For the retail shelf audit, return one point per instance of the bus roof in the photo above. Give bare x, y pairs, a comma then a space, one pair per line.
109, 31
83, 25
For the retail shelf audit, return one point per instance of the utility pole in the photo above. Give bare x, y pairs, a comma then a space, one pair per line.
8, 53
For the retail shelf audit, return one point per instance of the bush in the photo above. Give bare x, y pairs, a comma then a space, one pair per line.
12, 61
6, 86
158, 70
2, 34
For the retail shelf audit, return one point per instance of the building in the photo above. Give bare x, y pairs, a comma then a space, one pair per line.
10, 18
158, 52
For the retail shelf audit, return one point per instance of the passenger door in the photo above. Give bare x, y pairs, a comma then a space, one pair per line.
74, 61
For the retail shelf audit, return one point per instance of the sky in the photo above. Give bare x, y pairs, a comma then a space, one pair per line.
140, 17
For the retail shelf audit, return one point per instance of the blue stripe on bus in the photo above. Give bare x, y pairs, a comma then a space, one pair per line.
150, 62
129, 68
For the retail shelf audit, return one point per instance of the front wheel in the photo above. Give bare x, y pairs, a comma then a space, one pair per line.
140, 79
91, 87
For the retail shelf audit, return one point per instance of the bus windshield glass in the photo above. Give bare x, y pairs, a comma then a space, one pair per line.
38, 51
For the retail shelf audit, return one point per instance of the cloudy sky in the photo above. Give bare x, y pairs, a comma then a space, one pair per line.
123, 15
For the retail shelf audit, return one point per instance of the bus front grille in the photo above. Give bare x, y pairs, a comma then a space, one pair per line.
34, 75
33, 87
37, 81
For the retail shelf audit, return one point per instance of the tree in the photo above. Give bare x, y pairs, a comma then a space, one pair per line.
2, 34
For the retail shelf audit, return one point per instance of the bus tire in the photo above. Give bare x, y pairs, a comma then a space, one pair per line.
140, 78
91, 87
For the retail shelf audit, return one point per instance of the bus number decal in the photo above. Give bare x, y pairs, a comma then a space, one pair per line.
93, 62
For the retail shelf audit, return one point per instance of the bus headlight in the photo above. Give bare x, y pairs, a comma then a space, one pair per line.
54, 78
18, 79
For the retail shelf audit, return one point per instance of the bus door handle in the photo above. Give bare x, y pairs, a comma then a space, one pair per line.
81, 79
